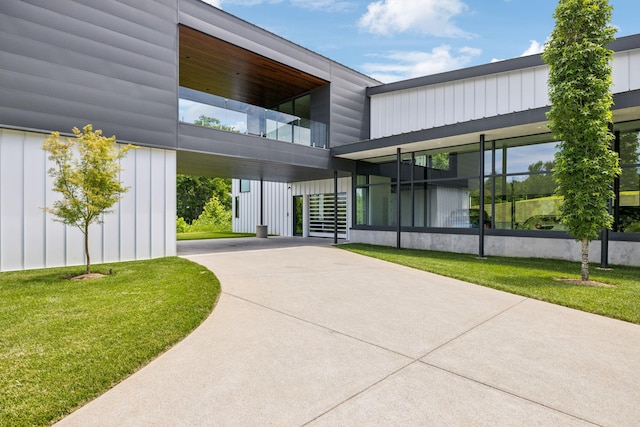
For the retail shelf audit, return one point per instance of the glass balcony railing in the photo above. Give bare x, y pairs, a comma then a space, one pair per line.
208, 110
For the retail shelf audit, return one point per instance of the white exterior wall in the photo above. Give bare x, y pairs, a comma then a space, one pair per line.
426, 107
278, 204
142, 225
277, 208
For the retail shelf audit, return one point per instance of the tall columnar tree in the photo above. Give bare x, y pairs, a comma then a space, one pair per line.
86, 173
580, 115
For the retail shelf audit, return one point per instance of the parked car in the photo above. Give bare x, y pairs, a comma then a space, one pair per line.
543, 222
467, 218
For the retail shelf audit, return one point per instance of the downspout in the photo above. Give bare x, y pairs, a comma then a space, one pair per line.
399, 201
335, 207
481, 201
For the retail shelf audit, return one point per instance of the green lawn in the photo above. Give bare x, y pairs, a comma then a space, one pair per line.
65, 342
200, 235
534, 278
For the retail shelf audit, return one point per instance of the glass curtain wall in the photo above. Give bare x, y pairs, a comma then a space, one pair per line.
627, 204
440, 188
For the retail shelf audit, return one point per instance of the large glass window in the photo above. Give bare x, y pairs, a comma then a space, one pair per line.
627, 213
441, 187
519, 182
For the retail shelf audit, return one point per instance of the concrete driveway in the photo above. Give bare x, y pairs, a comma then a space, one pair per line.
308, 334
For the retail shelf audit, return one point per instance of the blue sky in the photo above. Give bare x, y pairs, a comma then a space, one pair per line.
398, 39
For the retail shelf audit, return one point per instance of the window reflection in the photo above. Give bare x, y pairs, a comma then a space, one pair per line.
440, 187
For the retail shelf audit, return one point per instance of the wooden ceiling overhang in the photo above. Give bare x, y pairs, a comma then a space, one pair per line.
211, 65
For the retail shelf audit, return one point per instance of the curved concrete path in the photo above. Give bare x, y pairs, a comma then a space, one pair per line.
313, 335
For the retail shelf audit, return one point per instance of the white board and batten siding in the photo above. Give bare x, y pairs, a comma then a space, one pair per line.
278, 206
448, 103
142, 225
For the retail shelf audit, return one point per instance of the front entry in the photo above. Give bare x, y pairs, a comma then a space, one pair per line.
297, 215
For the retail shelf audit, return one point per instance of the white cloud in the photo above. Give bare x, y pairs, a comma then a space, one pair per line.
431, 17
534, 48
400, 65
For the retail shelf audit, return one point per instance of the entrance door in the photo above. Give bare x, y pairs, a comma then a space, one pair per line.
297, 215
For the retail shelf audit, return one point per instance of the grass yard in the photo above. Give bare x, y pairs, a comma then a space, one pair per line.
534, 278
200, 235
65, 342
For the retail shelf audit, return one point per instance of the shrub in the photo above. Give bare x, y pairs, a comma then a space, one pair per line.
214, 217
181, 225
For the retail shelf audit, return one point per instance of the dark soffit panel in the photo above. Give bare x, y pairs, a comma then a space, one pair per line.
214, 66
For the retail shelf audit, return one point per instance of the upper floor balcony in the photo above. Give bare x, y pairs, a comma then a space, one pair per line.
230, 115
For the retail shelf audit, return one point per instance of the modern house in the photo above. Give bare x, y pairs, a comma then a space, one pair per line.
458, 161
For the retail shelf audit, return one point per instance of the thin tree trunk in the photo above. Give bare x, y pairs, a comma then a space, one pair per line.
585, 259
86, 248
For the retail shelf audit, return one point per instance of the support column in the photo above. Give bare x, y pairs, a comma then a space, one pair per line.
335, 207
481, 201
261, 229
399, 201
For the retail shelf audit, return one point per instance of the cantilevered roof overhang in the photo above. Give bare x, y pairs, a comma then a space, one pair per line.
212, 65
523, 123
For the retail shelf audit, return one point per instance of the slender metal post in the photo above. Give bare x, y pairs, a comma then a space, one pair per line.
481, 201
398, 179
261, 201
335, 207
604, 237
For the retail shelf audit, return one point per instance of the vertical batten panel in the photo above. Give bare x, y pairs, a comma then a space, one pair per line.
449, 104
377, 124
35, 171
634, 66
55, 234
421, 112
170, 208
541, 87
111, 233
439, 106
143, 204
528, 89
396, 116
479, 98
75, 244
11, 200
620, 73
431, 107
502, 91
469, 100
158, 203
127, 214
96, 235
515, 91
459, 102
491, 96
413, 120
404, 108
377, 103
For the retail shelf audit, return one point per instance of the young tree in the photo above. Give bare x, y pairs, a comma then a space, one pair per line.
85, 172
580, 115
